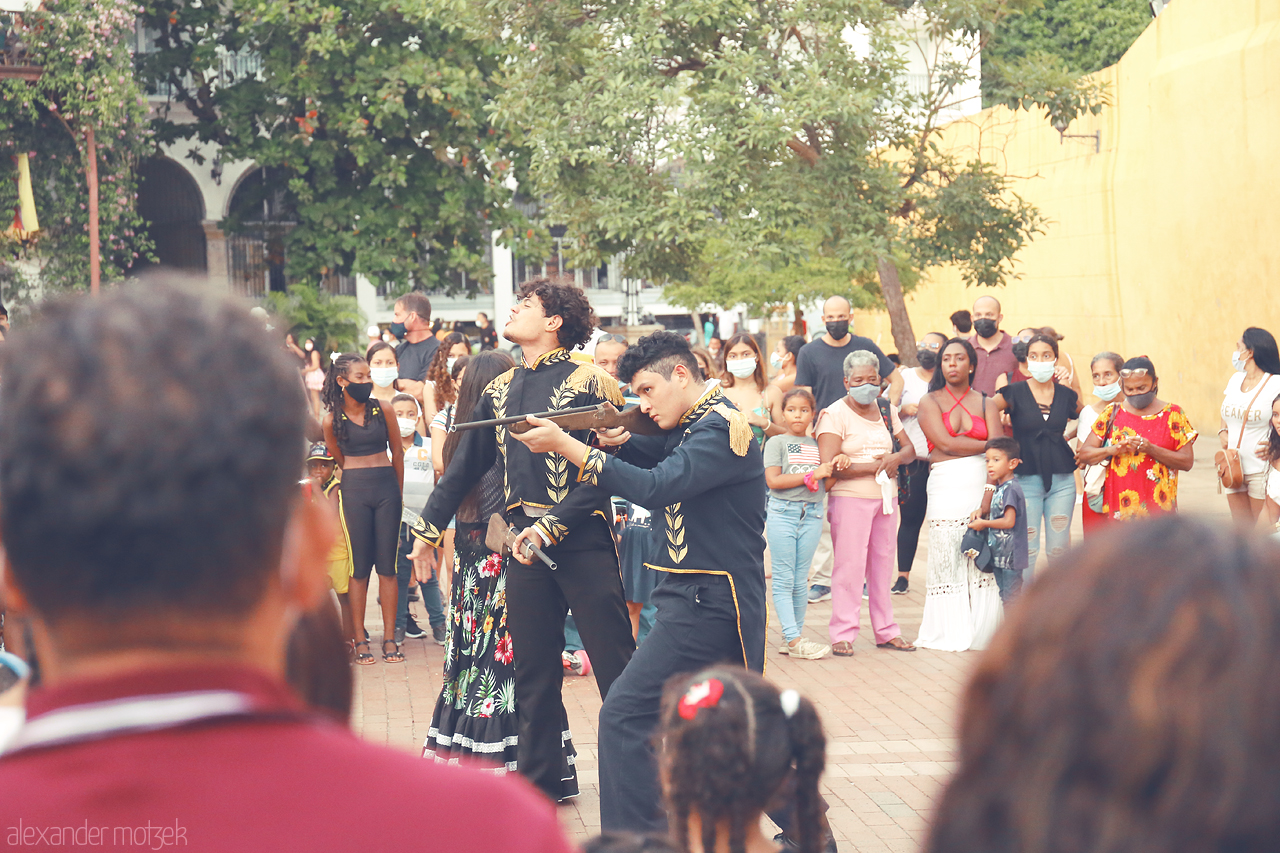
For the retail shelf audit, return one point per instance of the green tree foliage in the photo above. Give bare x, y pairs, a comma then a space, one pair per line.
1082, 35
87, 82
371, 115
786, 131
335, 322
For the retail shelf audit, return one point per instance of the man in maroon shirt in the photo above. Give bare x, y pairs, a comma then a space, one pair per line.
150, 451
993, 346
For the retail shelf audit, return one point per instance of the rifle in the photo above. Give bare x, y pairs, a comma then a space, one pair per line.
603, 416
501, 536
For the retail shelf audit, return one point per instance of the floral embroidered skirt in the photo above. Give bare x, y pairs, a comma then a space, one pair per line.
475, 716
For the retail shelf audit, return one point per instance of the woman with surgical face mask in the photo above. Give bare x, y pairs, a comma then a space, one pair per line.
744, 384
857, 436
1019, 373
1147, 442
384, 370
1039, 410
1105, 369
915, 386
1245, 414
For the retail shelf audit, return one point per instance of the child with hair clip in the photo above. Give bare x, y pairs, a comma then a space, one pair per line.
732, 746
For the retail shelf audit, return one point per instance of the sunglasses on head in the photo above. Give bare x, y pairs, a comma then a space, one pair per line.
1132, 372
613, 339
934, 345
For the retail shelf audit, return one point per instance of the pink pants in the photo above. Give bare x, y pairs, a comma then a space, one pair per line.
865, 543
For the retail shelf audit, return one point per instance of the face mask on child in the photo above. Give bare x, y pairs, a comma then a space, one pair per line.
407, 426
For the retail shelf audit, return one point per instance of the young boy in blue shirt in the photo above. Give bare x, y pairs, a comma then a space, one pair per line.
1004, 516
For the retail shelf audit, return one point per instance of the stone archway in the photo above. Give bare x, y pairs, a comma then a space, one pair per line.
169, 200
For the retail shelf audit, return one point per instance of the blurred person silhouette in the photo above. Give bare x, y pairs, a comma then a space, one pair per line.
1131, 710
170, 428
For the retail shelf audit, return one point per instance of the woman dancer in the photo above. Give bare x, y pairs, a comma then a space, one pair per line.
475, 716
961, 604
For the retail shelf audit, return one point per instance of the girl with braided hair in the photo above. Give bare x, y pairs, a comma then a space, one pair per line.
358, 434
733, 745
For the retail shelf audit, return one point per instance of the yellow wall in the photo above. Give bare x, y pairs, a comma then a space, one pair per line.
1167, 242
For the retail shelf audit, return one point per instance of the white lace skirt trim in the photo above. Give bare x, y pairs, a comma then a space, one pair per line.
961, 604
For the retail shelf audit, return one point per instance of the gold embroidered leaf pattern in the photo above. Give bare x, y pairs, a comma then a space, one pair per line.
553, 527
675, 533
557, 465
592, 466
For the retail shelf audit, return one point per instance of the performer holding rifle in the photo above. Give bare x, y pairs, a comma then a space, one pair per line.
704, 483
551, 507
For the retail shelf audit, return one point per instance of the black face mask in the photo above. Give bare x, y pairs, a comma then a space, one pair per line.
359, 391
927, 358
985, 327
1020, 351
837, 329
1141, 401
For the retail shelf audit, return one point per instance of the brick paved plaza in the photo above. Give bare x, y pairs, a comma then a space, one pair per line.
889, 716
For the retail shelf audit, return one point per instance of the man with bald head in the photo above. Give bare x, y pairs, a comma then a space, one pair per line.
820, 368
820, 364
993, 346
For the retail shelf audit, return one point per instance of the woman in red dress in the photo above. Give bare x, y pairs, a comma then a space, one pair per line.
1148, 442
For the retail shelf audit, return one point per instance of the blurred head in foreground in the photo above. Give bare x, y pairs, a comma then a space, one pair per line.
150, 446
1131, 703
731, 745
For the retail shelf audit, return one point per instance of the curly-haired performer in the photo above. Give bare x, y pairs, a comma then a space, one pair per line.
546, 497
705, 483
733, 745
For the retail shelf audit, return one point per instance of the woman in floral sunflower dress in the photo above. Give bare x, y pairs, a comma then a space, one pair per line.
1145, 442
475, 716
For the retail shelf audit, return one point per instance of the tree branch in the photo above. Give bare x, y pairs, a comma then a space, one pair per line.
807, 153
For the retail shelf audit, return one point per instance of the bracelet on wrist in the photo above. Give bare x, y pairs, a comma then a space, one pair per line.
989, 488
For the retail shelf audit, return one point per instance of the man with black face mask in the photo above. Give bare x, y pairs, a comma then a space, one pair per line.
993, 346
820, 368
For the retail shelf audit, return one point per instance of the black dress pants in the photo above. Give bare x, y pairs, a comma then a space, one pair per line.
696, 626
538, 599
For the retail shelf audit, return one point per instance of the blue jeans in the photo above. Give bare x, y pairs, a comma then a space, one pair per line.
1048, 512
793, 528
1009, 582
430, 590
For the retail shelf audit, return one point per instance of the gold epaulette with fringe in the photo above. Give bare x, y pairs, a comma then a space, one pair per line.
739, 429
589, 379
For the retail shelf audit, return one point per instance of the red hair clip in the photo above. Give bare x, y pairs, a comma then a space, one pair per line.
704, 694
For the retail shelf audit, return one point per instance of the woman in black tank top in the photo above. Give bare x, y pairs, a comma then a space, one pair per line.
357, 432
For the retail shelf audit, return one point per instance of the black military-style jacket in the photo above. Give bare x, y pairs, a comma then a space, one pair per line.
704, 484
545, 487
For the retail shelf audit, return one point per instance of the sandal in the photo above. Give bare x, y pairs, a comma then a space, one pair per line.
394, 656
842, 649
362, 658
897, 644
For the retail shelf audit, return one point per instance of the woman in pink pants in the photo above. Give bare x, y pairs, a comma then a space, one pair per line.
854, 434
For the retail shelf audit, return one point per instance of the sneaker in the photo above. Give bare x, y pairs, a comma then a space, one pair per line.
809, 650
575, 663
817, 593
899, 586
412, 629
785, 648
439, 633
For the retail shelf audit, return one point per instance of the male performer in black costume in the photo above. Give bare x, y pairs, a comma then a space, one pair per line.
549, 502
704, 483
